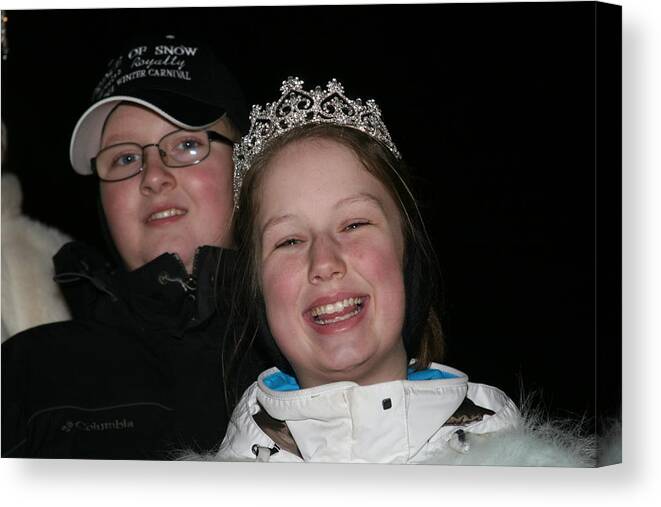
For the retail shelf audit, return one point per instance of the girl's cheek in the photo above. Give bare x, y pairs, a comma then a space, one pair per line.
280, 276
377, 256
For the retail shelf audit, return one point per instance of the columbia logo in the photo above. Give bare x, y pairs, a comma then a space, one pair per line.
116, 425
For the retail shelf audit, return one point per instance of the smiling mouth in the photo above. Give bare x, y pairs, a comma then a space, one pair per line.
339, 311
167, 213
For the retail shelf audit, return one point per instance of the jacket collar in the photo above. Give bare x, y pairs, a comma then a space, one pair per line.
160, 295
345, 422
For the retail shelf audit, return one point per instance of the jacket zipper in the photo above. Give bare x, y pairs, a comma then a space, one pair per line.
189, 281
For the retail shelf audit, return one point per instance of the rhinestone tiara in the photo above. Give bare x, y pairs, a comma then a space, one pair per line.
297, 107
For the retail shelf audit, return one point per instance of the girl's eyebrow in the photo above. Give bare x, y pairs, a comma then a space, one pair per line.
273, 221
360, 197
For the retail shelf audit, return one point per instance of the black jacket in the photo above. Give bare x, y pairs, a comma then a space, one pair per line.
135, 375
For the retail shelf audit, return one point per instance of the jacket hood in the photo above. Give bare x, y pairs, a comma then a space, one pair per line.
342, 422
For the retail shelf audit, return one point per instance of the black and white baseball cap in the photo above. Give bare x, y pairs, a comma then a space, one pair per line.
179, 79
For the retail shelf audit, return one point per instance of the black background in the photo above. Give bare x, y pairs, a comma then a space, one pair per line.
493, 106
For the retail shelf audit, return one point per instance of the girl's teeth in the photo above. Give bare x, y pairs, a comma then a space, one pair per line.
340, 318
335, 307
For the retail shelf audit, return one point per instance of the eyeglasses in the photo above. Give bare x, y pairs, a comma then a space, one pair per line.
181, 148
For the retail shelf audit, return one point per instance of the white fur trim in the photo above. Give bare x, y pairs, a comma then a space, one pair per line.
30, 297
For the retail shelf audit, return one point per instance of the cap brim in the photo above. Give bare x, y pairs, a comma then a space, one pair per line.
183, 113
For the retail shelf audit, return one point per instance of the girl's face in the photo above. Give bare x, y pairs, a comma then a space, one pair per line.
331, 254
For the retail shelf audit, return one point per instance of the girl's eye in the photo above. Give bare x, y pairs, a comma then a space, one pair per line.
288, 242
355, 225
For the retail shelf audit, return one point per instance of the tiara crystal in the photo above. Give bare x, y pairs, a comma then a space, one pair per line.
297, 107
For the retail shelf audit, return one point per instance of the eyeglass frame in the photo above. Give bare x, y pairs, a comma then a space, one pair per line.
211, 134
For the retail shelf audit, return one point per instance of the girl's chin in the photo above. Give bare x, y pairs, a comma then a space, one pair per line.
361, 361
352, 366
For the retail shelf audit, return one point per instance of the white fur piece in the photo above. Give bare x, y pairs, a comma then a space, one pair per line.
533, 443
610, 444
30, 297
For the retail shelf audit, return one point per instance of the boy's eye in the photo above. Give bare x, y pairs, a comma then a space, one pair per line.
125, 159
188, 145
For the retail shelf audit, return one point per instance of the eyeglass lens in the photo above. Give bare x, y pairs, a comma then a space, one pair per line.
177, 149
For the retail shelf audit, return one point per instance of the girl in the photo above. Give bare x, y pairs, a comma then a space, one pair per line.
339, 282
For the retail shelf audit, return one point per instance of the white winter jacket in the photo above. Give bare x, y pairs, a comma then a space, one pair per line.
439, 418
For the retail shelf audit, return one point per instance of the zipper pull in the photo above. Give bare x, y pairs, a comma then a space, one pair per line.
189, 285
188, 281
264, 453
459, 443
